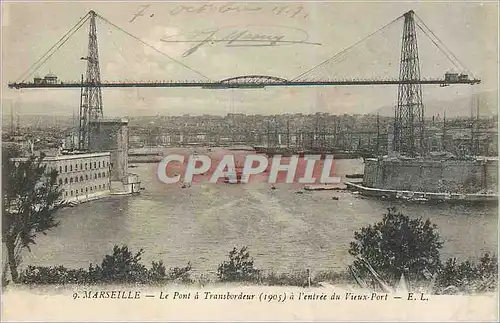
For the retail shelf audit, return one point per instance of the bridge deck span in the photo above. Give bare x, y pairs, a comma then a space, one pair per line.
229, 85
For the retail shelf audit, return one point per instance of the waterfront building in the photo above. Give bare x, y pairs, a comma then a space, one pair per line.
82, 176
99, 172
111, 135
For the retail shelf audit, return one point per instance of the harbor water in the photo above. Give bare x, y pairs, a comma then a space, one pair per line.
284, 231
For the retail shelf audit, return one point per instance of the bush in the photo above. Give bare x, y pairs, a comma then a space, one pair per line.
239, 268
297, 278
157, 271
467, 276
334, 277
397, 245
181, 274
120, 267
302, 278
53, 275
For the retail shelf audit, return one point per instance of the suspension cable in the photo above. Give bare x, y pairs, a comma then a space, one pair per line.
43, 58
444, 47
452, 61
152, 47
348, 48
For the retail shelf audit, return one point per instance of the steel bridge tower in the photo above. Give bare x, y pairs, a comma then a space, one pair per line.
409, 113
91, 93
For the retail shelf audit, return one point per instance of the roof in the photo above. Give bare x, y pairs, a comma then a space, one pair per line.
68, 157
110, 120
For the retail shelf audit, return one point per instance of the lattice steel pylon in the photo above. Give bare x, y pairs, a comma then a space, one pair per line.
91, 100
409, 113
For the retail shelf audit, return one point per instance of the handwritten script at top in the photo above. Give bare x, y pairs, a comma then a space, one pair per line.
244, 36
282, 10
290, 11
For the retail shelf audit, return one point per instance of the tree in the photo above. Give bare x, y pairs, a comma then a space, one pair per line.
239, 267
398, 245
30, 198
120, 267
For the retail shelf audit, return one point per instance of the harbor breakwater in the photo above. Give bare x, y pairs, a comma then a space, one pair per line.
436, 176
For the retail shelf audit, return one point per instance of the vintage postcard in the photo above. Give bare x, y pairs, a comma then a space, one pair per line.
249, 161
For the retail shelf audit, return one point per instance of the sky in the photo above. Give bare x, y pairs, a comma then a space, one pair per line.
313, 32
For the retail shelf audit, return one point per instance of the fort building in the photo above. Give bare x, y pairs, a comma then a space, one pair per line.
111, 135
82, 177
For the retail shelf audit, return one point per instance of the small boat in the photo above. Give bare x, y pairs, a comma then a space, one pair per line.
73, 203
420, 199
324, 187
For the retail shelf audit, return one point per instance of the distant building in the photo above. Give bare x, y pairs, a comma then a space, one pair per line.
135, 141
50, 79
70, 141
